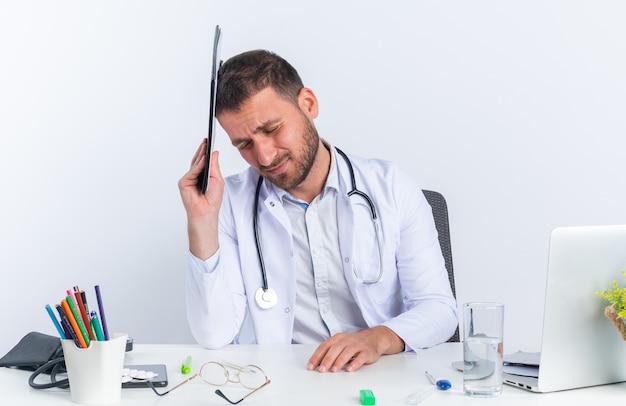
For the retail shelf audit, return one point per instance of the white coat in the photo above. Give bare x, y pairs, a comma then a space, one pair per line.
413, 296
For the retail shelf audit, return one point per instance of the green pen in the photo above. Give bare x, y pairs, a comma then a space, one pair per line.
186, 367
79, 321
97, 327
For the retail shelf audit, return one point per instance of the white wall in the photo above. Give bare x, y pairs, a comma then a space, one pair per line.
513, 110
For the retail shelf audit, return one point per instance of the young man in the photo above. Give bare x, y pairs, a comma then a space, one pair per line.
287, 252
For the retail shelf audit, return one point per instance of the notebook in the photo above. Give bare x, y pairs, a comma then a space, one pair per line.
580, 347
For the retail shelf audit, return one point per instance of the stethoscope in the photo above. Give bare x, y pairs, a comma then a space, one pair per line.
266, 296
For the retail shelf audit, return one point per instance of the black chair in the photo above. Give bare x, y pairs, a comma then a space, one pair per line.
440, 213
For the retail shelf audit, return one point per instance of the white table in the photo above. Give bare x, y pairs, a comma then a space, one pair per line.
391, 379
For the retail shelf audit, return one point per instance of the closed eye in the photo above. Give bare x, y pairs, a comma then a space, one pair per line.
270, 130
243, 145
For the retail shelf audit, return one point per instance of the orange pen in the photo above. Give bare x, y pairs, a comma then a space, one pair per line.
70, 317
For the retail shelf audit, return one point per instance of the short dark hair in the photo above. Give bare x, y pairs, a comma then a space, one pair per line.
246, 74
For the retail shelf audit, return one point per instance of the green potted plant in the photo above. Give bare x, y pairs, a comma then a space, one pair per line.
616, 309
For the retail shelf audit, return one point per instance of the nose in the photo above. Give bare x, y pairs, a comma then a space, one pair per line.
265, 151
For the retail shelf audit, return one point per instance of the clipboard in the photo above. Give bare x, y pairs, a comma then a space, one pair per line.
203, 180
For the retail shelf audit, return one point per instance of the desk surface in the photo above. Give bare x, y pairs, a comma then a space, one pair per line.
391, 379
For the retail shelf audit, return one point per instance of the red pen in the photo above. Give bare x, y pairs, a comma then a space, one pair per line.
84, 315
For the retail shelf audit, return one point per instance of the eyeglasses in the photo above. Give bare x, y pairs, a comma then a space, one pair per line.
216, 374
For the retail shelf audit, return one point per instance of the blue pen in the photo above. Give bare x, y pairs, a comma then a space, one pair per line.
56, 322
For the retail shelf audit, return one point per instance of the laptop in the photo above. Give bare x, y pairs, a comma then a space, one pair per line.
580, 347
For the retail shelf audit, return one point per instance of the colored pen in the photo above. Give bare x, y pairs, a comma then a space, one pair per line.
65, 322
56, 322
83, 313
73, 323
84, 296
66, 326
81, 326
97, 327
69, 292
103, 319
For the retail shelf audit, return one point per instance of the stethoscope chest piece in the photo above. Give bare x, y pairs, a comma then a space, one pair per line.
266, 298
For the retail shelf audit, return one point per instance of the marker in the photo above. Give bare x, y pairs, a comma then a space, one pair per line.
186, 367
65, 323
83, 314
97, 327
84, 296
105, 329
56, 322
81, 326
69, 292
73, 323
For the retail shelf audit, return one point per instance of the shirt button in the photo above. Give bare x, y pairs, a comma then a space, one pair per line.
287, 309
347, 259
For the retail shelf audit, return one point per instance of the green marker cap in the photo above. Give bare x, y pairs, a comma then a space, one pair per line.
186, 367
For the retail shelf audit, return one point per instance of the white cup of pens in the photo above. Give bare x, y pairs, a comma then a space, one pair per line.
94, 358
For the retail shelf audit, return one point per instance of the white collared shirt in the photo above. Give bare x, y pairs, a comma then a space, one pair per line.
324, 304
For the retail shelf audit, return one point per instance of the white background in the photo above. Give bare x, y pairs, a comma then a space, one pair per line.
515, 111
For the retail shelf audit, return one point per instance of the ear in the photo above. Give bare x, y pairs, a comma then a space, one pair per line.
308, 103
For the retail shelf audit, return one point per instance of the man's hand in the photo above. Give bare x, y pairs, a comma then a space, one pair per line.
353, 350
202, 209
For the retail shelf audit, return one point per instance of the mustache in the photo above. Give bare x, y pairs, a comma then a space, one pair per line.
278, 161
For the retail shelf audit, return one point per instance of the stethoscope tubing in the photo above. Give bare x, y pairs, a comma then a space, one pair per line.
266, 297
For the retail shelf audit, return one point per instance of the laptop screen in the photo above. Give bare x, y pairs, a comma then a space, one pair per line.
579, 344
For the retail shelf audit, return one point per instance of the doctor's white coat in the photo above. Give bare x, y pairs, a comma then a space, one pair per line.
413, 296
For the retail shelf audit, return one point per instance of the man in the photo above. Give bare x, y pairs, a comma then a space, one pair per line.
330, 276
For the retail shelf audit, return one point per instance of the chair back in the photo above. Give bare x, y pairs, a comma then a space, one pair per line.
440, 213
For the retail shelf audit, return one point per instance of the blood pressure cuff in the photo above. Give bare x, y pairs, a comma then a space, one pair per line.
34, 350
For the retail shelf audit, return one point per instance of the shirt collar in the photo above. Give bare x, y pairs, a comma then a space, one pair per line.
332, 181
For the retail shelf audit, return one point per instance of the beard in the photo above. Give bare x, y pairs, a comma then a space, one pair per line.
303, 165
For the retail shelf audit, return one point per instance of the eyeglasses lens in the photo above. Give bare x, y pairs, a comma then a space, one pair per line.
214, 373
251, 377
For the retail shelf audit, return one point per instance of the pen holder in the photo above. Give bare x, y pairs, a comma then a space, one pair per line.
95, 373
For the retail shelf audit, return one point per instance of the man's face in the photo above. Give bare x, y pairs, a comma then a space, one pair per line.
274, 136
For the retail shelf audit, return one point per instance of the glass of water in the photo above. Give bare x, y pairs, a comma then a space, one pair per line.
482, 348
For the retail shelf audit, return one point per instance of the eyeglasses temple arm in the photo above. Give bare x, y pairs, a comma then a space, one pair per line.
221, 394
151, 385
